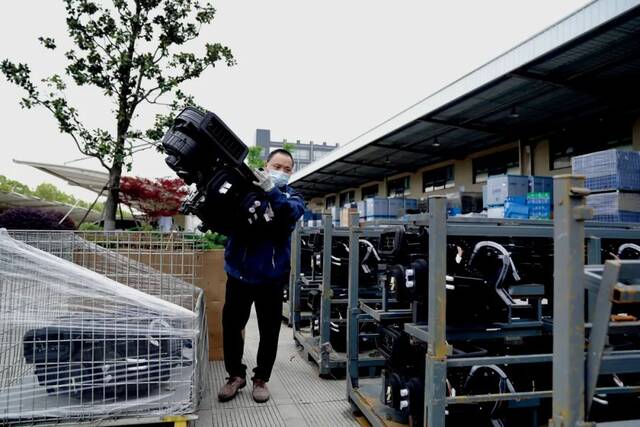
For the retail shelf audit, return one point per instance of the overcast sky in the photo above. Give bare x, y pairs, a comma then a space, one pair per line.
321, 71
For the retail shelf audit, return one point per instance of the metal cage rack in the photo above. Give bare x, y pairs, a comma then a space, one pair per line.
574, 288
146, 377
317, 346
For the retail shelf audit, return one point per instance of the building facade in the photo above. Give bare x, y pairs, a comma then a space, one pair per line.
304, 153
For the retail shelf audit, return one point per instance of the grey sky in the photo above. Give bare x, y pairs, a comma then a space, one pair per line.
321, 71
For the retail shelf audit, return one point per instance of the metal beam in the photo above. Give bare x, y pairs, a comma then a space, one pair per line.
406, 150
362, 163
466, 125
316, 183
588, 90
341, 174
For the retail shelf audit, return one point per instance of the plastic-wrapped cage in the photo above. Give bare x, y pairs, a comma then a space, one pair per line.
203, 151
76, 345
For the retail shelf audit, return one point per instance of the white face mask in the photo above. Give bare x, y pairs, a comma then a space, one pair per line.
280, 179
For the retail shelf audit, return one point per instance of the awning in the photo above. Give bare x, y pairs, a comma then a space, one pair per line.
85, 178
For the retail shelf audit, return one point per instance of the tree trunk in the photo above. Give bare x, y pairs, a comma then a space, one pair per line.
113, 192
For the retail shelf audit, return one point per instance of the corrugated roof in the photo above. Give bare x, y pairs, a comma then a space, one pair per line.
581, 67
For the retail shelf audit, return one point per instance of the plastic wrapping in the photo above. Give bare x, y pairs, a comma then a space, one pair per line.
615, 206
609, 170
76, 345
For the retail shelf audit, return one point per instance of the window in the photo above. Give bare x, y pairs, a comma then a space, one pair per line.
330, 202
347, 197
300, 154
399, 187
369, 191
438, 179
568, 145
317, 155
501, 163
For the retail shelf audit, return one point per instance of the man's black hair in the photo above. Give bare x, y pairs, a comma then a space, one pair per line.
281, 151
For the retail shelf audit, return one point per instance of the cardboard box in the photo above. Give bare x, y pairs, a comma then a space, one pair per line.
213, 280
344, 216
495, 212
214, 325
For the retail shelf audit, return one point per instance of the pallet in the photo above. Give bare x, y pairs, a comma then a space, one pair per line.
173, 420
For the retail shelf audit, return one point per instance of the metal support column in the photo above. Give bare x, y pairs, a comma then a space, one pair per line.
294, 283
568, 301
594, 257
325, 304
353, 310
600, 328
436, 363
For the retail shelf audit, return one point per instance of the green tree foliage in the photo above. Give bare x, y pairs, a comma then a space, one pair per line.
254, 158
288, 146
131, 50
8, 185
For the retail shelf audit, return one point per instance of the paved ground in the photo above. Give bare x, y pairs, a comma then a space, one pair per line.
298, 396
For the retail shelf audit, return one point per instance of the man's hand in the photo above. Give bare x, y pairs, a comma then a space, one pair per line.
263, 179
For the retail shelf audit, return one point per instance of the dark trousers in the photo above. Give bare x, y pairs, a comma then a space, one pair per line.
235, 314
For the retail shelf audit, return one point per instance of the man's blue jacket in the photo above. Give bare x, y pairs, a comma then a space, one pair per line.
265, 258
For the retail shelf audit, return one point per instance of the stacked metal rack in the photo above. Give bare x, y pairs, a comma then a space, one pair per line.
317, 345
568, 389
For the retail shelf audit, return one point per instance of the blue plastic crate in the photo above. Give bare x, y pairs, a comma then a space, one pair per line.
516, 207
609, 170
540, 205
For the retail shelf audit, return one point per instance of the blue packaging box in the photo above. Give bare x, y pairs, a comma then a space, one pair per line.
502, 186
376, 208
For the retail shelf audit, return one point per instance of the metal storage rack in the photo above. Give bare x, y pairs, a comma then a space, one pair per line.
365, 393
318, 348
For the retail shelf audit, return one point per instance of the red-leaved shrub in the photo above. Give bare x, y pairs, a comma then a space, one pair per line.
157, 197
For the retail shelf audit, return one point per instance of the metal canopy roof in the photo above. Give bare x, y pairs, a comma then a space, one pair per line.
85, 178
584, 67
10, 200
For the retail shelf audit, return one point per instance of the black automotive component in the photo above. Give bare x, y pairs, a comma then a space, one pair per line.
91, 364
203, 151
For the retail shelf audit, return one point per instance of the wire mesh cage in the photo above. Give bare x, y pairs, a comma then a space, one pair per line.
97, 325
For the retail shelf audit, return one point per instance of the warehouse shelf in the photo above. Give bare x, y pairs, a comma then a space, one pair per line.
365, 393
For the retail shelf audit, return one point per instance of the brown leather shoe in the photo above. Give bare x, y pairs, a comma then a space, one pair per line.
230, 389
260, 391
